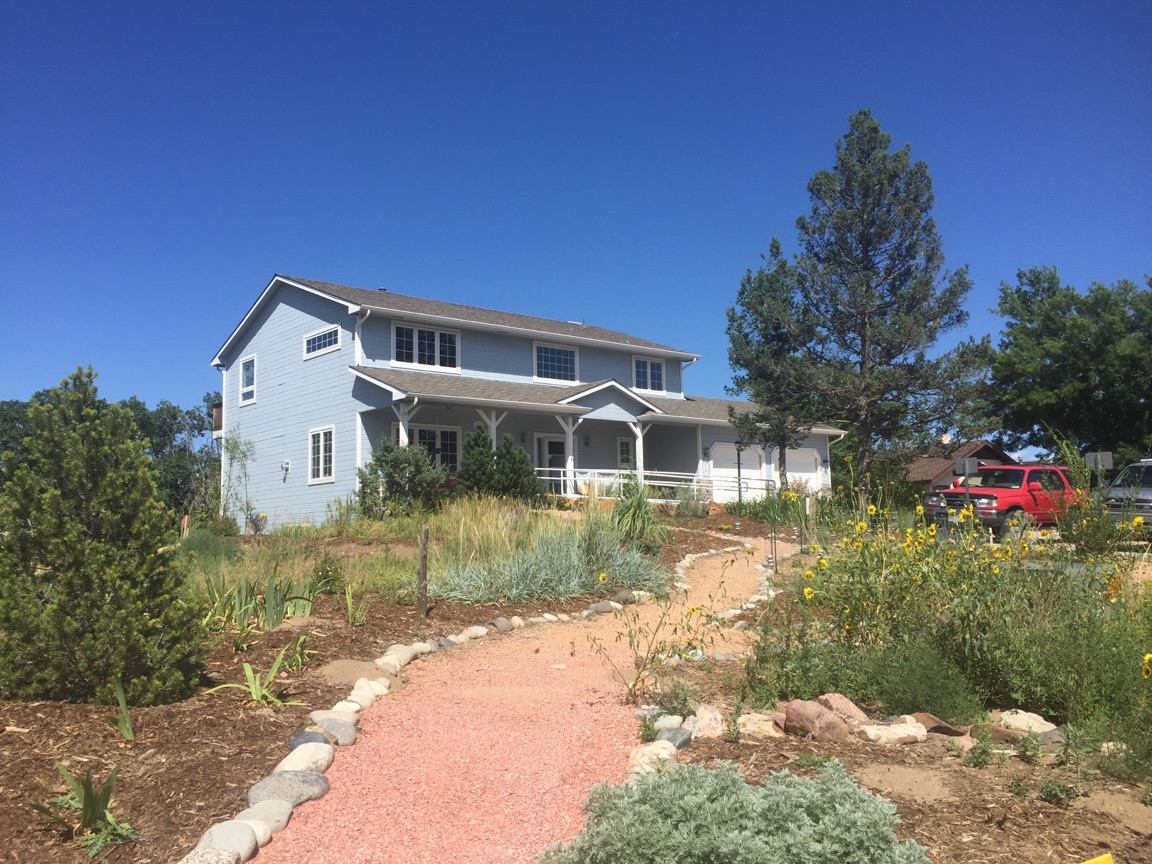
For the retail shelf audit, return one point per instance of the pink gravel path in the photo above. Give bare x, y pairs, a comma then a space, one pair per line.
489, 751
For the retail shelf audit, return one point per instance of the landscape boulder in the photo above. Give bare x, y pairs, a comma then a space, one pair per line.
806, 719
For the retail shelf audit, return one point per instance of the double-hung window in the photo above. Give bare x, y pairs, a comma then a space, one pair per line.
248, 380
419, 346
321, 455
322, 342
554, 363
648, 374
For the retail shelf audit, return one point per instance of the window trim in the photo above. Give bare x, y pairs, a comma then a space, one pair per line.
331, 477
415, 364
240, 388
649, 361
536, 345
413, 441
322, 351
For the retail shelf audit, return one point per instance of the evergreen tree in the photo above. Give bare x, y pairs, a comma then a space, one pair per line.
91, 592
477, 472
514, 476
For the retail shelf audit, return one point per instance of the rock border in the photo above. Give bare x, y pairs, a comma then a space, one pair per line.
299, 776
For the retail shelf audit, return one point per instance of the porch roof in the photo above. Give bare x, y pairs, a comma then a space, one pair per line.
473, 391
708, 411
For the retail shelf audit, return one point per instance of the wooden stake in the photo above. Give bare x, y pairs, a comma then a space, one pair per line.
422, 576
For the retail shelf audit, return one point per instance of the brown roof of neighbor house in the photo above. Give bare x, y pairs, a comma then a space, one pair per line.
386, 300
924, 469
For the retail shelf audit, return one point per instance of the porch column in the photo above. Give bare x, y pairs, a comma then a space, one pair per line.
639, 430
569, 427
491, 421
405, 413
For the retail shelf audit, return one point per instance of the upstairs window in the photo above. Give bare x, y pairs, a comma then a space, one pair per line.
648, 374
320, 455
248, 380
555, 364
421, 347
322, 342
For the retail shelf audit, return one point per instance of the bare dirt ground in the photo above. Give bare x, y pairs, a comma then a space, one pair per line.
487, 751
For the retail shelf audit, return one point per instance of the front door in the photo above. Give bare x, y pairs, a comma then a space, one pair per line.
550, 455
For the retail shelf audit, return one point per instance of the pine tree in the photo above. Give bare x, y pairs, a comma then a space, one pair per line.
514, 475
91, 591
477, 472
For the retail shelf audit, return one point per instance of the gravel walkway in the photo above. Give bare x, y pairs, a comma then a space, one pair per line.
490, 750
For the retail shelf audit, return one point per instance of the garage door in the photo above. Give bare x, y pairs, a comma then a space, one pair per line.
725, 486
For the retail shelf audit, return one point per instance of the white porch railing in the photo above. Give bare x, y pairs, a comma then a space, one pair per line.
607, 483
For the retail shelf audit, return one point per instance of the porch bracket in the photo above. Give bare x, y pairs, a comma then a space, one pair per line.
405, 413
569, 426
639, 430
491, 421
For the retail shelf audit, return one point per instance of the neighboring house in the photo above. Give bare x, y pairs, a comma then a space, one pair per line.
316, 375
936, 472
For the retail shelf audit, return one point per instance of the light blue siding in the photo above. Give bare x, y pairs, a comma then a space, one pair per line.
671, 448
293, 396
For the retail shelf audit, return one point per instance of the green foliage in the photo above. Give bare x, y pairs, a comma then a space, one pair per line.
694, 815
689, 503
1080, 364
296, 655
853, 317
398, 480
260, 689
97, 828
813, 760
506, 472
676, 699
1056, 793
917, 677
477, 472
783, 507
91, 591
560, 561
634, 519
647, 729
356, 612
981, 753
1017, 787
122, 722
1028, 749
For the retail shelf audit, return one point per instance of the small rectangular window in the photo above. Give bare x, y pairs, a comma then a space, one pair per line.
648, 374
624, 452
448, 350
555, 363
248, 380
320, 455
426, 355
322, 342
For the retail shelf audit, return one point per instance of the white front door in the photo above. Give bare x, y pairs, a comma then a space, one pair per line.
550, 455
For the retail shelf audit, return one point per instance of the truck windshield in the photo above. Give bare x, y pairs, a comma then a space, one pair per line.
1003, 478
1138, 476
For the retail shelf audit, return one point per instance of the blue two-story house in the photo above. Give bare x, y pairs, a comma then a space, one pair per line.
317, 374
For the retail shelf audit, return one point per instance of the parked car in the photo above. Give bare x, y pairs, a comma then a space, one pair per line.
998, 493
1130, 494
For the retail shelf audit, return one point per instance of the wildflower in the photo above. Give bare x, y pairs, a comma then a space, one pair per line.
691, 610
808, 574
919, 509
995, 568
813, 548
871, 509
809, 594
603, 577
847, 458
823, 563
1137, 521
861, 527
932, 530
1146, 669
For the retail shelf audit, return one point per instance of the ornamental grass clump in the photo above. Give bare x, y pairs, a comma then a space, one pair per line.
694, 815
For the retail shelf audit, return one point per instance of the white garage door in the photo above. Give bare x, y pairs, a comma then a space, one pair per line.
804, 467
725, 485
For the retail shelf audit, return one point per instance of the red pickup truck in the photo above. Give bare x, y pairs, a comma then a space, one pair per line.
1000, 492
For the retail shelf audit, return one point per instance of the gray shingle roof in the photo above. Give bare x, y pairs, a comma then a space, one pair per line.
434, 385
386, 300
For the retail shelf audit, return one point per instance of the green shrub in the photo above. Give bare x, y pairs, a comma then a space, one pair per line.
513, 474
634, 519
399, 479
91, 587
916, 677
688, 503
699, 816
477, 472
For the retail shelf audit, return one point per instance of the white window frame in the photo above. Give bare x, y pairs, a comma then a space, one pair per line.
536, 362
631, 463
308, 355
649, 361
415, 363
241, 389
322, 478
414, 437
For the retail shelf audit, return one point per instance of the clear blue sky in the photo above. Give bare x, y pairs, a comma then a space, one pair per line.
617, 163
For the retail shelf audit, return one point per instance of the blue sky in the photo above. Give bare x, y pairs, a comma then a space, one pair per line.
617, 163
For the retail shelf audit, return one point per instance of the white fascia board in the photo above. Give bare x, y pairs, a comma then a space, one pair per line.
543, 335
218, 361
615, 385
